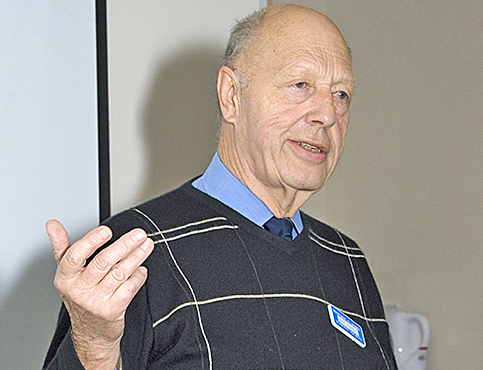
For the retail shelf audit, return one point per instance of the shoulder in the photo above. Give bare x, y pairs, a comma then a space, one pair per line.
180, 206
324, 233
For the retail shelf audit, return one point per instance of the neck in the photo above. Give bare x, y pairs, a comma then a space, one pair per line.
282, 201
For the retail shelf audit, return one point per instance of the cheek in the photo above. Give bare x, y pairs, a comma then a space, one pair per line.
338, 137
269, 121
344, 129
271, 127
343, 125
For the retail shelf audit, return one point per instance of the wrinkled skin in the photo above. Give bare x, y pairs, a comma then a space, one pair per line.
97, 295
292, 86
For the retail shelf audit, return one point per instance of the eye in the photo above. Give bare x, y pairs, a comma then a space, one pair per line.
300, 85
297, 90
342, 95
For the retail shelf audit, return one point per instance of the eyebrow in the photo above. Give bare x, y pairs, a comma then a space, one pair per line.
349, 81
299, 71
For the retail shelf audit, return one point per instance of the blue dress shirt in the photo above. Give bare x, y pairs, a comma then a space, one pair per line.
219, 183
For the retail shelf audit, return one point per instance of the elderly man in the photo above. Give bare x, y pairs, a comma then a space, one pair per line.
239, 278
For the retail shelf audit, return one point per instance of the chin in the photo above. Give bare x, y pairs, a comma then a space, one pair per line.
308, 184
306, 177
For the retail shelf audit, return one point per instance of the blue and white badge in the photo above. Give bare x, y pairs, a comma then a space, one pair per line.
346, 325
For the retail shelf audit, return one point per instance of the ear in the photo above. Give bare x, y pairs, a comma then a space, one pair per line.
227, 89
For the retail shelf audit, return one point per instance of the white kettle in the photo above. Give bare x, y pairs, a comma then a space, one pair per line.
410, 339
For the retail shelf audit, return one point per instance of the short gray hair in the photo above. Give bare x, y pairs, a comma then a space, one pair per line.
242, 35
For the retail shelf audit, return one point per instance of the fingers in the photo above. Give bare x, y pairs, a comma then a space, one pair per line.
97, 295
115, 268
123, 257
74, 258
113, 277
124, 294
58, 237
127, 270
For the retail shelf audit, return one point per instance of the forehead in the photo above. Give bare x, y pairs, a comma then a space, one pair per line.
297, 42
315, 60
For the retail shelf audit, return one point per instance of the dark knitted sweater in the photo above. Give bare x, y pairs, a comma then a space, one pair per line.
223, 293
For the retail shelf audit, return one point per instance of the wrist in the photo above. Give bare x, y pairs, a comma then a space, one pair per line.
98, 357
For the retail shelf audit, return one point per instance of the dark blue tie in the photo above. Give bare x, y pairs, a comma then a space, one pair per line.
279, 226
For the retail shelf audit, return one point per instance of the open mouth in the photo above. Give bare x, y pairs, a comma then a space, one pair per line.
309, 147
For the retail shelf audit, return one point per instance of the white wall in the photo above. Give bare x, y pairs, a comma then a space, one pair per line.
48, 167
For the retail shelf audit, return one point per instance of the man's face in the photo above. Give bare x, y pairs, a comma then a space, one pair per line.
294, 111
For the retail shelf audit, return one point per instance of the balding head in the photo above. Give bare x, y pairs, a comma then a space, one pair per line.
248, 31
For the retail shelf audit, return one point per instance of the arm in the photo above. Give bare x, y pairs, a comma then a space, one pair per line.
96, 296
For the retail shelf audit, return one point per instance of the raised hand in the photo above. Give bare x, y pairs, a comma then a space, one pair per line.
97, 295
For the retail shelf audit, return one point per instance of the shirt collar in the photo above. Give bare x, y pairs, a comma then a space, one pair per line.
219, 183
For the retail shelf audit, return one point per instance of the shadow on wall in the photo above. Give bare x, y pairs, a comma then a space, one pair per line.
181, 119
28, 314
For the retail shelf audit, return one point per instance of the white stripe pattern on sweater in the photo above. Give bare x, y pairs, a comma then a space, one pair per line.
188, 225
260, 296
194, 232
325, 244
195, 302
167, 235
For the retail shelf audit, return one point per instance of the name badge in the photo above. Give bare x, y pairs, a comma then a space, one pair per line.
346, 325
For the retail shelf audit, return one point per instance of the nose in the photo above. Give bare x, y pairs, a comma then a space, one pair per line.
322, 109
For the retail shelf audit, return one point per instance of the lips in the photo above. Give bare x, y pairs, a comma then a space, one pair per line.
310, 147
313, 147
311, 150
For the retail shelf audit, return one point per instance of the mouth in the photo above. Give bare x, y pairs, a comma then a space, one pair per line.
310, 147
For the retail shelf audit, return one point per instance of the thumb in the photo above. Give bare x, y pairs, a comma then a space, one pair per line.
58, 237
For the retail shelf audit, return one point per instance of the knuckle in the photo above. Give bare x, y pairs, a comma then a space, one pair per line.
129, 289
118, 273
139, 254
73, 258
126, 245
59, 283
101, 262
